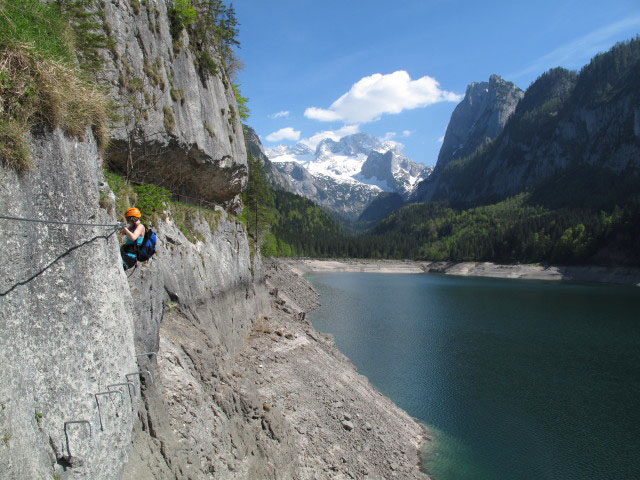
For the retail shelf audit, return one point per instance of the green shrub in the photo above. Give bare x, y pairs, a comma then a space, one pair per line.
125, 196
176, 94
206, 63
180, 16
270, 246
209, 129
151, 200
243, 109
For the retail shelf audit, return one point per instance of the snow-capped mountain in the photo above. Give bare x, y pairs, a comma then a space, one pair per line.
346, 175
393, 171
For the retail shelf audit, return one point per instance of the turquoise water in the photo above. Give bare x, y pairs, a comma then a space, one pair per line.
515, 379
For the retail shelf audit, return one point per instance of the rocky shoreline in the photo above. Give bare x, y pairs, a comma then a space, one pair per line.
587, 273
342, 426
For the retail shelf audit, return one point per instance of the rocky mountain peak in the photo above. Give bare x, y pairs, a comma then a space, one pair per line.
351, 145
479, 118
393, 171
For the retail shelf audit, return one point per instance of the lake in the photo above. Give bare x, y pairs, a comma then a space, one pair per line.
515, 379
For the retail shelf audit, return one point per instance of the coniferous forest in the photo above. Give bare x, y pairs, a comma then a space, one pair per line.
584, 210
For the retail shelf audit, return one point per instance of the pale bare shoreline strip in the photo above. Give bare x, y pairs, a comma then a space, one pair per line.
615, 275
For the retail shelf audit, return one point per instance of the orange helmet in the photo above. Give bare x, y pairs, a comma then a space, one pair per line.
132, 212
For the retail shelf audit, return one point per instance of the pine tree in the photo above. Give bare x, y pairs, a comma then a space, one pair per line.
258, 200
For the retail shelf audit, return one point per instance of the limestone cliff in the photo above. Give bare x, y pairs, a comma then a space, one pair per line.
178, 120
479, 118
67, 325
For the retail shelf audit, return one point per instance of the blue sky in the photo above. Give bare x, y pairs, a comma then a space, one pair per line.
396, 69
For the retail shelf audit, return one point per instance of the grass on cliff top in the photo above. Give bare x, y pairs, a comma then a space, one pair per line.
154, 201
41, 84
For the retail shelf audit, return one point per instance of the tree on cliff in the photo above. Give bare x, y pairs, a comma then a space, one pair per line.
258, 201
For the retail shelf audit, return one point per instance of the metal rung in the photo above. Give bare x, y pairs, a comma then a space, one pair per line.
108, 392
146, 354
140, 372
129, 385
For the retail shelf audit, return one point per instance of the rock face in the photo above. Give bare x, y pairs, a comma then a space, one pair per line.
180, 327
479, 118
396, 170
66, 321
254, 147
347, 199
194, 305
179, 127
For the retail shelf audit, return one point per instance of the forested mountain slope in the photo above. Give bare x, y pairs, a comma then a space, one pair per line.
580, 130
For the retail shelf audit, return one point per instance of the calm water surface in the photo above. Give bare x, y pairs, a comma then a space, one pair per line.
516, 379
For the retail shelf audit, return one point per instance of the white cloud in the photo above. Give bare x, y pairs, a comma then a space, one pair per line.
282, 114
406, 133
322, 115
373, 96
287, 133
441, 139
313, 141
572, 54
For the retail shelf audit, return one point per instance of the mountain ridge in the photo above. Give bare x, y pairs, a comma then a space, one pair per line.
346, 175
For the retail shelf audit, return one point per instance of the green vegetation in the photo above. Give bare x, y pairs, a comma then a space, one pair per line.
40, 82
303, 229
154, 202
516, 230
243, 109
212, 27
209, 129
258, 201
187, 217
125, 196
177, 95
181, 15
151, 200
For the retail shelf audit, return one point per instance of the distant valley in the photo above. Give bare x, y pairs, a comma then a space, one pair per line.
550, 174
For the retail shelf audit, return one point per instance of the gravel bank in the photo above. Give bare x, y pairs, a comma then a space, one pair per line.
596, 274
342, 427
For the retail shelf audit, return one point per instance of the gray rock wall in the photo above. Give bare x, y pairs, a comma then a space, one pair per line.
479, 118
152, 78
195, 306
67, 333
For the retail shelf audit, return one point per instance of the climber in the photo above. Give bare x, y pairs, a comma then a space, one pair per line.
135, 235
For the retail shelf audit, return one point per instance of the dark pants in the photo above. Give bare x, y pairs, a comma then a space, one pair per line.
127, 261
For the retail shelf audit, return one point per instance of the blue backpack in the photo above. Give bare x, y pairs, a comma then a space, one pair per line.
148, 247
